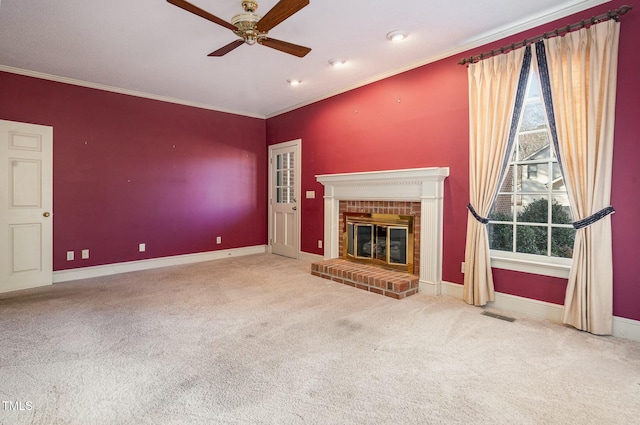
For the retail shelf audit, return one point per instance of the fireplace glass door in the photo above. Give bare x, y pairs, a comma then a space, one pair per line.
378, 242
397, 245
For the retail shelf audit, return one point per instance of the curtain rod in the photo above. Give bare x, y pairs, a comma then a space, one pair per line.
612, 14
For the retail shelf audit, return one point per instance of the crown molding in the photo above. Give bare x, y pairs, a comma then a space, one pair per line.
103, 87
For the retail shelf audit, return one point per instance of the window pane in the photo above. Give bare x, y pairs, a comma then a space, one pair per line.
507, 183
534, 146
533, 177
502, 208
534, 86
531, 239
532, 209
560, 210
533, 117
557, 183
562, 241
500, 236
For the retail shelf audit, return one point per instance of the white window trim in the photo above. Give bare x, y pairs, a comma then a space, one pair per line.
531, 263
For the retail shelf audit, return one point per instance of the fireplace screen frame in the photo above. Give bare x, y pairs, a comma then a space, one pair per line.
371, 251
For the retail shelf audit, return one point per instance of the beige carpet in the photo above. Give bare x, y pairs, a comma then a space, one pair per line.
258, 340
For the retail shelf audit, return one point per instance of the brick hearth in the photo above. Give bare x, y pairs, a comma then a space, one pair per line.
393, 284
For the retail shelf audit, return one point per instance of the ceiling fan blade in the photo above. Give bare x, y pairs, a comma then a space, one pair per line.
182, 4
278, 13
283, 46
226, 49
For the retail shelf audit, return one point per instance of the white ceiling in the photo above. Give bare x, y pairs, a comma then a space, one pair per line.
154, 49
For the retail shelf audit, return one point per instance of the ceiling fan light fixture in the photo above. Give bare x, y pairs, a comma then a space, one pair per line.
396, 35
294, 82
337, 62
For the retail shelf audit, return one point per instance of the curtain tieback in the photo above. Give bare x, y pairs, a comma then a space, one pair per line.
593, 218
476, 216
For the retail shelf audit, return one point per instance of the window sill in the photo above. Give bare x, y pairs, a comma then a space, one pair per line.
555, 267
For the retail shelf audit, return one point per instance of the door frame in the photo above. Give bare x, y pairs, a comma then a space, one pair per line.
297, 147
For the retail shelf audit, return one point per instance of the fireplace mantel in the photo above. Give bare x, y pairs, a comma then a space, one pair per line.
424, 185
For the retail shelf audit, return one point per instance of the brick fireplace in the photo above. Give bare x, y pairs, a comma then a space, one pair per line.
418, 192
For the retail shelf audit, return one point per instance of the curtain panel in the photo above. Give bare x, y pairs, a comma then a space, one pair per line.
494, 86
581, 79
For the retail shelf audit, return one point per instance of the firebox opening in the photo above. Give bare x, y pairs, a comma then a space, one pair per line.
382, 239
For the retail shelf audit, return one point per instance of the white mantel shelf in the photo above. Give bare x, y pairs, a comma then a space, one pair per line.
424, 185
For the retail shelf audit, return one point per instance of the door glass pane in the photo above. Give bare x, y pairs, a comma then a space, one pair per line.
284, 178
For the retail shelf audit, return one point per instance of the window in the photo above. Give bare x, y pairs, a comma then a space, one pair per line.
531, 219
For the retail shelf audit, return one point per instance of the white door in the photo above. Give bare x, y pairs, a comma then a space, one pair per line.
26, 174
284, 190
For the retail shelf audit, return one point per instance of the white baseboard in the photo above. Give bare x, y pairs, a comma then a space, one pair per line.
152, 263
626, 328
622, 327
306, 256
430, 288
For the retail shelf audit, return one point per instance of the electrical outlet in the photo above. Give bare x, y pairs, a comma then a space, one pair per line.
85, 254
142, 247
319, 243
219, 240
70, 255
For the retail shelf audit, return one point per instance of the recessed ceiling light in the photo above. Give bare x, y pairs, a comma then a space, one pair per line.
294, 82
337, 62
396, 35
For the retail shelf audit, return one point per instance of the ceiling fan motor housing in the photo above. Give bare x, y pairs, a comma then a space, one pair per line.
246, 24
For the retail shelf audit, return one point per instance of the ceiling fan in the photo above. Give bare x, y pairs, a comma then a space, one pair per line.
251, 27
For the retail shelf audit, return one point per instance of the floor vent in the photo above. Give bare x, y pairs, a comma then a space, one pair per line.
498, 316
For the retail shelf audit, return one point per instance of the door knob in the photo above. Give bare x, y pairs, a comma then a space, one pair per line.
46, 214
294, 208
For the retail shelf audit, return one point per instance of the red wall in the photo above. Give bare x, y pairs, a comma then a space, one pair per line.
420, 119
128, 170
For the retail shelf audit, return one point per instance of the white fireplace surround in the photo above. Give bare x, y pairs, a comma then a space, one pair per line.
424, 185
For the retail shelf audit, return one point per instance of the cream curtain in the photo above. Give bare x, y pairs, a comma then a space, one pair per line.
493, 84
582, 73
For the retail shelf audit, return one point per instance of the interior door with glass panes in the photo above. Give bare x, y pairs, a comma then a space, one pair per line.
285, 177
